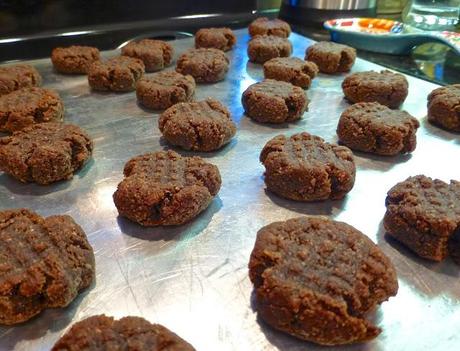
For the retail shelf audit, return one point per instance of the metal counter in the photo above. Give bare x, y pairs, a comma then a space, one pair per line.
193, 278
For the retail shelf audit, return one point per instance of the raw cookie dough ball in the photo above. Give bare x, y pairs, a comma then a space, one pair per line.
200, 126
27, 106
74, 59
385, 87
164, 188
444, 107
375, 128
17, 77
316, 279
265, 26
155, 54
205, 65
262, 48
271, 101
424, 215
218, 38
304, 167
46, 263
291, 69
116, 74
164, 89
331, 57
45, 153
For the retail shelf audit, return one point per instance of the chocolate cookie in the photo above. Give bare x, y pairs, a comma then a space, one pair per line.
45, 262
163, 188
271, 101
156, 54
316, 279
218, 38
304, 167
98, 333
371, 127
262, 48
205, 65
164, 89
200, 126
331, 57
45, 153
424, 215
265, 26
18, 76
117, 74
291, 69
444, 107
28, 106
74, 59
385, 87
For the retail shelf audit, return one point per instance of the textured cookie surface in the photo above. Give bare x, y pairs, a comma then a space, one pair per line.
45, 153
385, 87
291, 69
18, 76
218, 38
44, 262
164, 188
205, 65
262, 48
102, 333
155, 54
74, 59
304, 167
265, 26
28, 106
375, 128
424, 214
272, 101
201, 126
331, 57
444, 107
316, 278
164, 89
116, 74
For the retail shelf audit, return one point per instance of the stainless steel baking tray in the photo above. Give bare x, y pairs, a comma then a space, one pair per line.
193, 278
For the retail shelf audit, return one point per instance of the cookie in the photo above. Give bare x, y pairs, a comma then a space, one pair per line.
45, 263
424, 215
164, 188
304, 167
205, 65
74, 59
374, 128
218, 38
444, 107
316, 279
385, 87
331, 57
155, 54
116, 74
291, 69
265, 26
262, 48
98, 333
164, 89
18, 76
271, 101
28, 106
199, 126
45, 153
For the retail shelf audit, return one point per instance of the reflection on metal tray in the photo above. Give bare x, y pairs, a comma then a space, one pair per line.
193, 278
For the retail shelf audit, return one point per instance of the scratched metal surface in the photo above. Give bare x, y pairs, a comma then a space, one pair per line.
193, 278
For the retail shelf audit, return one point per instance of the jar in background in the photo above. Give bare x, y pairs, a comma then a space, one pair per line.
391, 7
432, 14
